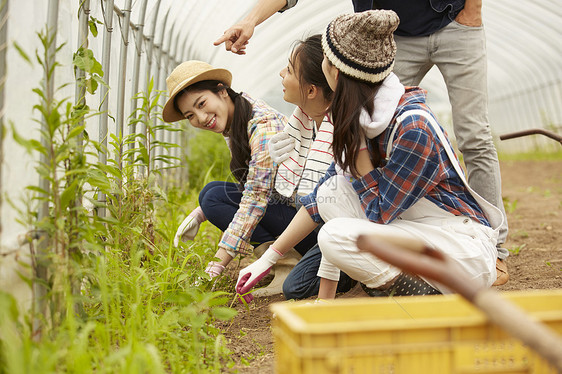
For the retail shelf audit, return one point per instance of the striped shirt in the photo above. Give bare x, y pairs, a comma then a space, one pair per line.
265, 123
310, 157
418, 167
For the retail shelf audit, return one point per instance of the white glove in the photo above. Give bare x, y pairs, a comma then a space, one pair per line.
280, 145
190, 225
252, 274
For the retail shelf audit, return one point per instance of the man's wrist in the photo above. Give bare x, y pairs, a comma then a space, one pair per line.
473, 7
263, 10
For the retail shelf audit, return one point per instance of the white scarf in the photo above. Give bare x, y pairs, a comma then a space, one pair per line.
385, 103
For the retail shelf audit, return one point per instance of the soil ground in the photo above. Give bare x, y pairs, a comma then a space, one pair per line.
532, 192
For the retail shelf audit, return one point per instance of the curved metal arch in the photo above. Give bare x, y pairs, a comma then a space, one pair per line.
122, 73
538, 47
139, 38
523, 77
521, 80
524, 52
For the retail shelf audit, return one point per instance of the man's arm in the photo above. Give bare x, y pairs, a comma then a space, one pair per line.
237, 36
471, 15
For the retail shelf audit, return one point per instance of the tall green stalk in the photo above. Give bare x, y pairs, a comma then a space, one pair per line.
3, 41
147, 307
62, 168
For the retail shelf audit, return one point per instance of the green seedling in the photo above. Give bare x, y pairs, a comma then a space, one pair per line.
509, 205
521, 234
515, 250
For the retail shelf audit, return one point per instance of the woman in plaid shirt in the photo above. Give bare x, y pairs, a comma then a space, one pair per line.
394, 174
247, 211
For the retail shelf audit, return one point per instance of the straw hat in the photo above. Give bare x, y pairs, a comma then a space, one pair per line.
186, 74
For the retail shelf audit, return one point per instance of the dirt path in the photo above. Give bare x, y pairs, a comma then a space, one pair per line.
532, 192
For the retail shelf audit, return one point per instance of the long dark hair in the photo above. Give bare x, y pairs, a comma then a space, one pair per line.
308, 55
352, 95
238, 131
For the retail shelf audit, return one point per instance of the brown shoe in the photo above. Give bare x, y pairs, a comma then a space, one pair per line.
502, 274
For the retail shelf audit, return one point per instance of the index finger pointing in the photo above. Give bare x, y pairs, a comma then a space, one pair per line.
221, 40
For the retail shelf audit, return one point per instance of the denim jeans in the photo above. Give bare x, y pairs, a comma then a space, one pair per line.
220, 201
303, 281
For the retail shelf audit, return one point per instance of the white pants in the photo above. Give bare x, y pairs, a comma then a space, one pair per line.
470, 244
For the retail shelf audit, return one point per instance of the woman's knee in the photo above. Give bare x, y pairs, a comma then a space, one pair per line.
337, 198
217, 205
219, 194
331, 239
208, 191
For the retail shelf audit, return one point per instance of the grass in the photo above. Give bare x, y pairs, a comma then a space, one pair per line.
143, 312
509, 205
535, 155
111, 293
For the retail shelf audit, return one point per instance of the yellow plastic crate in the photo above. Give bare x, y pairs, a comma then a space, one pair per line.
420, 334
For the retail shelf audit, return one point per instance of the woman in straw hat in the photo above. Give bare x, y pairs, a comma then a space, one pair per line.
394, 174
247, 211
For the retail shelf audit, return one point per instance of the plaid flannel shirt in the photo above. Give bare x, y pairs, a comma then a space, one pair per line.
418, 167
265, 123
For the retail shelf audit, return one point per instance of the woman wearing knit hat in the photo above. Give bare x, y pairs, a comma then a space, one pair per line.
395, 173
247, 211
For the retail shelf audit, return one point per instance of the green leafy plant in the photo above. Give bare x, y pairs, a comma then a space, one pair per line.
208, 159
84, 59
120, 298
515, 250
509, 205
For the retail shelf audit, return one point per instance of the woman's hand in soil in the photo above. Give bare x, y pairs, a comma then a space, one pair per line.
252, 274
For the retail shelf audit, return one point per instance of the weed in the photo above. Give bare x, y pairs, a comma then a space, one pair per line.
521, 234
537, 155
548, 263
246, 361
515, 250
509, 205
119, 298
